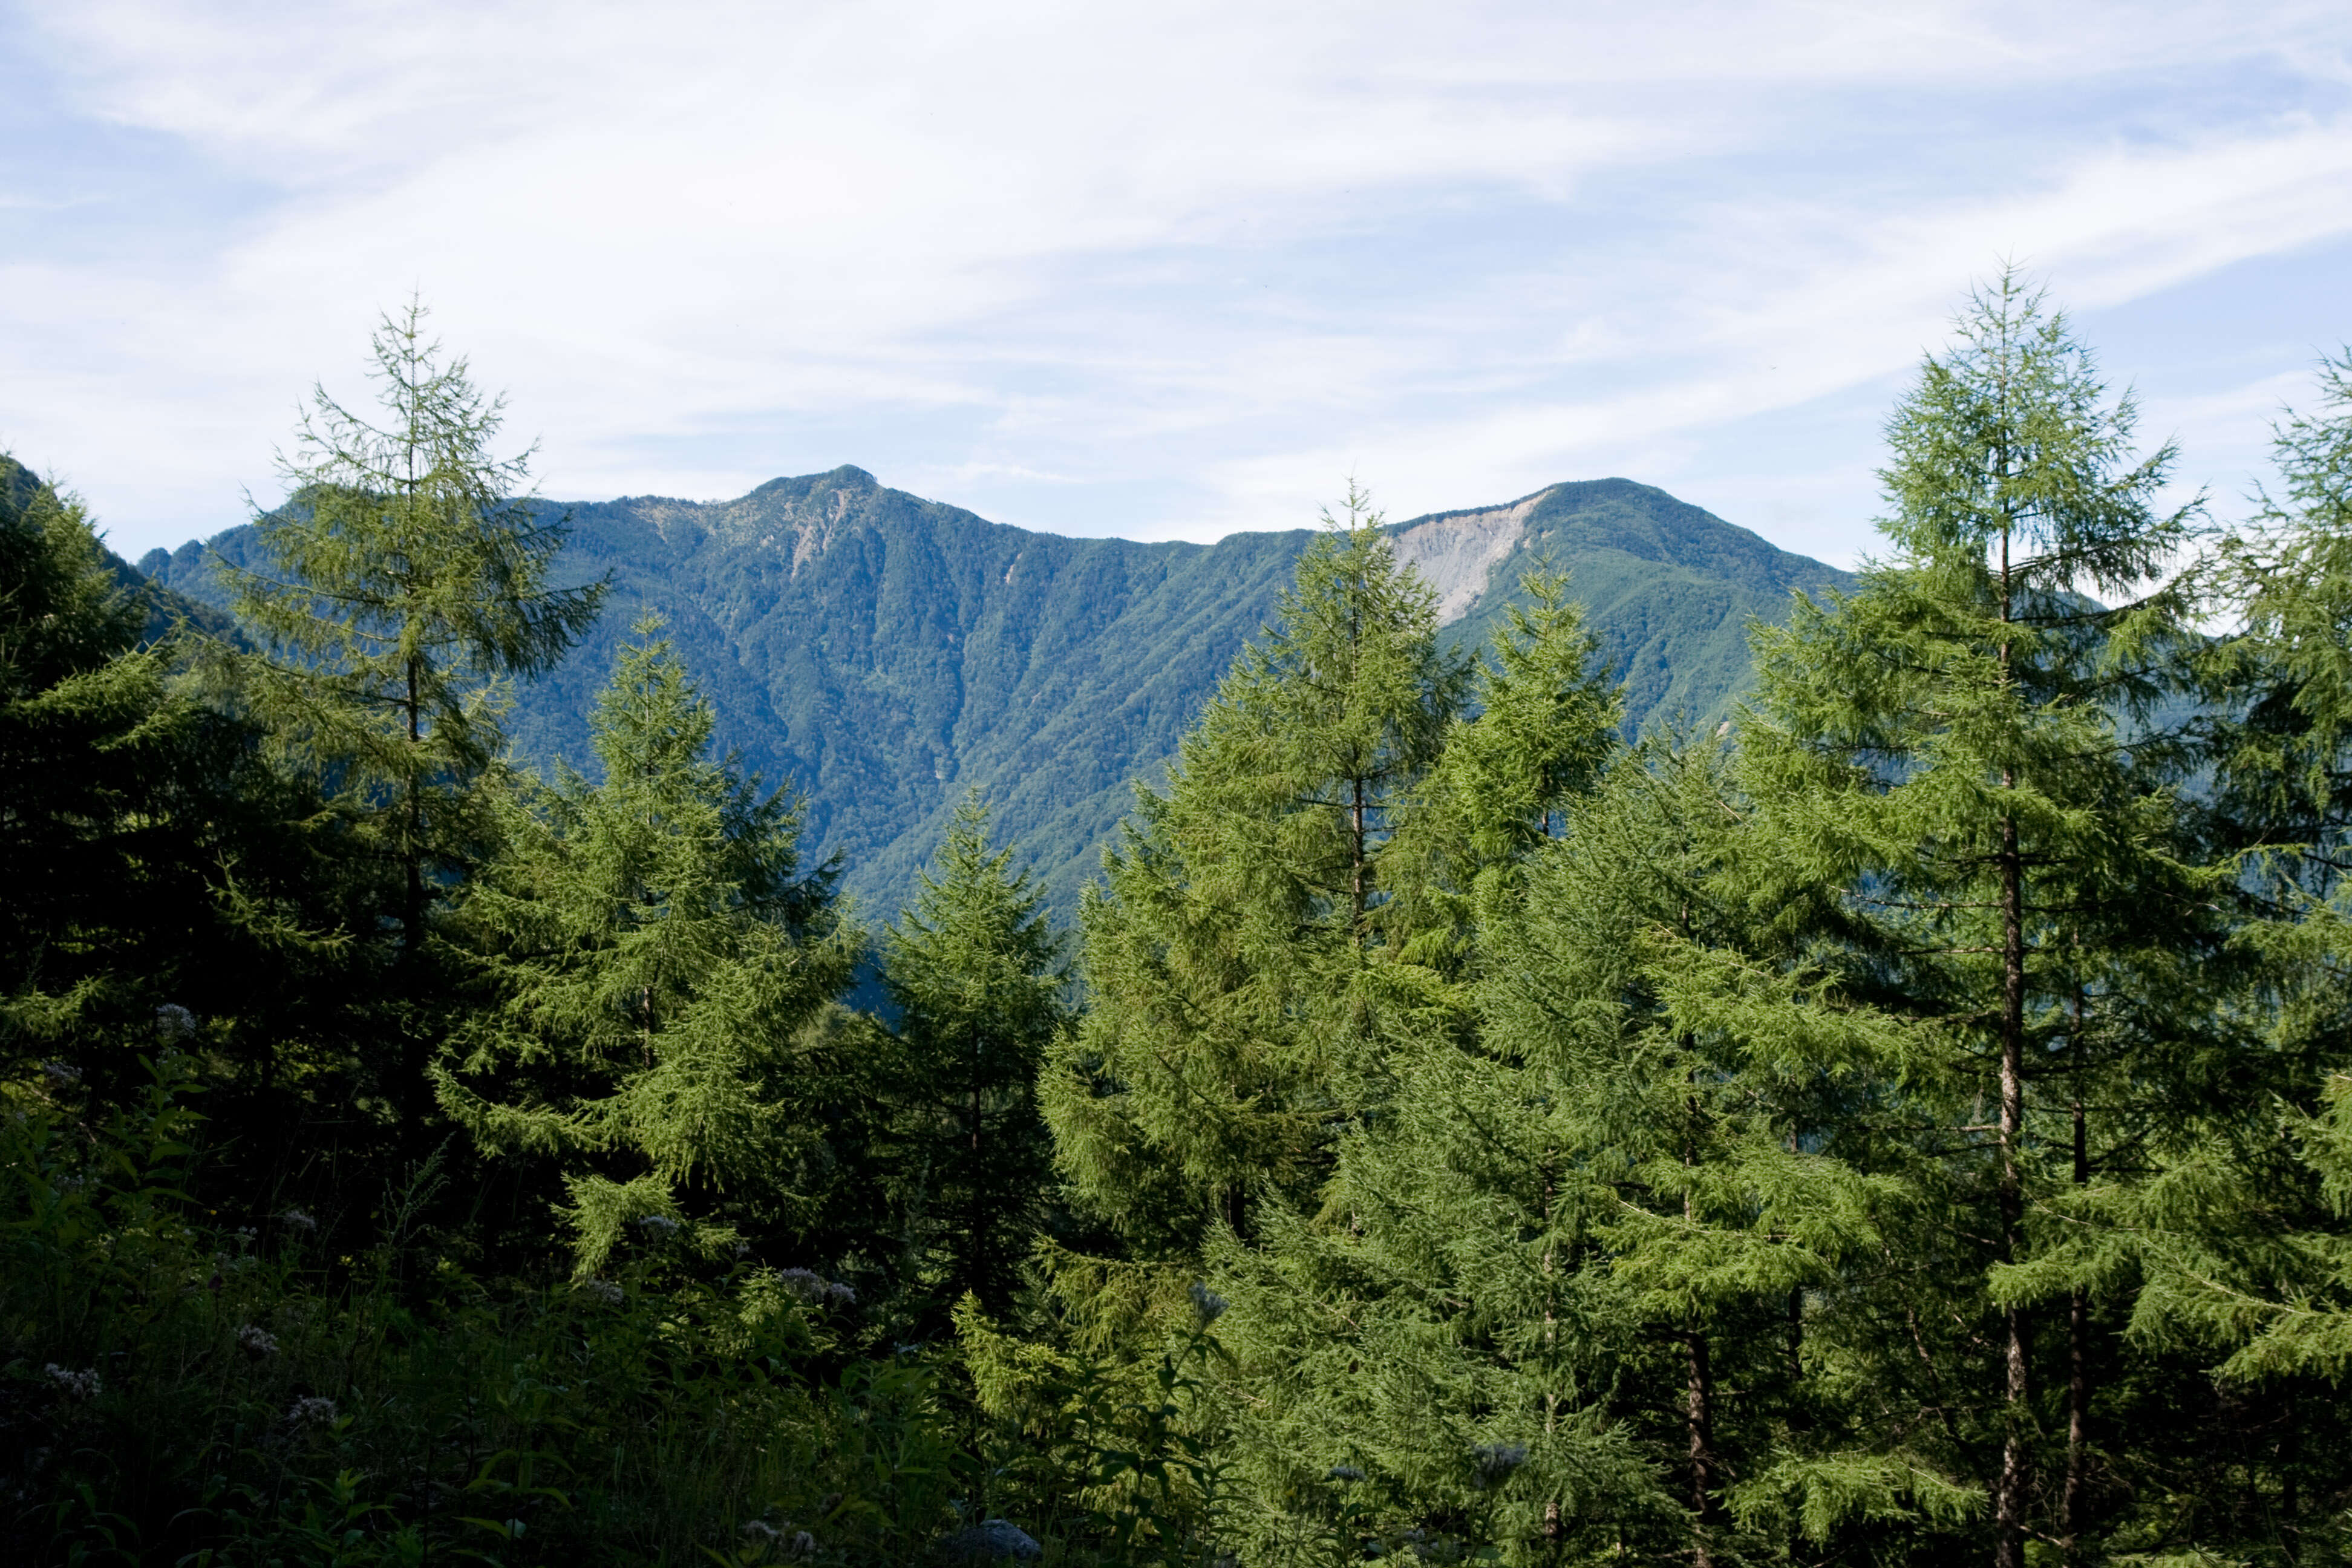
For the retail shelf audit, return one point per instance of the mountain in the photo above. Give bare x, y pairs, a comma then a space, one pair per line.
881, 652
20, 488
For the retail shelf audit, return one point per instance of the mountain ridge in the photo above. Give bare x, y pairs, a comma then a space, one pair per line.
882, 651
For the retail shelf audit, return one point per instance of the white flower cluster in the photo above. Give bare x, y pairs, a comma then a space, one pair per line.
1495, 1461
799, 1546
814, 1289
62, 1075
659, 1226
603, 1291
173, 1023
257, 1341
75, 1384
296, 1220
310, 1411
1206, 1303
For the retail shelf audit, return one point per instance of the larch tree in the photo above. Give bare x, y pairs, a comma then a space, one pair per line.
1969, 747
404, 578
2242, 1229
1238, 961
1414, 1359
982, 989
659, 969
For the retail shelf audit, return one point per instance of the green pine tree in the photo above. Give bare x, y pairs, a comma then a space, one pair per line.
663, 974
1239, 962
406, 579
977, 973
2241, 1228
1545, 721
1967, 748
155, 862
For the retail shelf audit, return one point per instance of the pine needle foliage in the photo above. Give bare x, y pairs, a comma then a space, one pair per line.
1969, 747
660, 967
1240, 960
982, 991
405, 580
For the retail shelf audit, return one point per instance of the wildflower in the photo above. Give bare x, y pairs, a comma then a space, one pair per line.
604, 1291
1343, 1473
761, 1530
294, 1219
1206, 1303
991, 1540
815, 1289
62, 1075
173, 1023
257, 1341
75, 1384
801, 1547
311, 1411
1495, 1461
659, 1226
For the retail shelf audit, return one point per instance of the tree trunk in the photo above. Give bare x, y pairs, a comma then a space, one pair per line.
411, 1093
2078, 1340
1700, 1416
2009, 1499
1701, 1424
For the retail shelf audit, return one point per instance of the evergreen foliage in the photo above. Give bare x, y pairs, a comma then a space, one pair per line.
399, 584
1235, 962
660, 967
1963, 749
1910, 1122
982, 991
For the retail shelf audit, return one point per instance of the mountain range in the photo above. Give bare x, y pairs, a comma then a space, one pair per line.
881, 653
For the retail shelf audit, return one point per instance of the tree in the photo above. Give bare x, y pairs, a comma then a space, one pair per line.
407, 577
1966, 747
1231, 961
660, 970
155, 859
1543, 723
977, 973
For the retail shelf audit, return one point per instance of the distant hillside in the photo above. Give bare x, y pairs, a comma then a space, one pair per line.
883, 652
20, 487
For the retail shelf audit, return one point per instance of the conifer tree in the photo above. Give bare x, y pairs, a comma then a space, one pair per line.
1234, 963
977, 973
406, 577
154, 860
1965, 746
659, 967
1547, 715
1413, 1359
2242, 1229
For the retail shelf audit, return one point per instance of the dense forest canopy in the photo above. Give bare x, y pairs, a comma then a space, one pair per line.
1907, 1120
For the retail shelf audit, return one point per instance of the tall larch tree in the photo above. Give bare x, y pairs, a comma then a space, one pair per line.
977, 973
1969, 747
660, 975
1235, 962
404, 578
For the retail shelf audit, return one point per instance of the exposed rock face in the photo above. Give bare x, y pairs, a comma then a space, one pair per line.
1456, 552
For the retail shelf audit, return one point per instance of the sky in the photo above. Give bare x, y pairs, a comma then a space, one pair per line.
1163, 271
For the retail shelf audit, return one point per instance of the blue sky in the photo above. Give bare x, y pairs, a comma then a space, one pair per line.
1160, 271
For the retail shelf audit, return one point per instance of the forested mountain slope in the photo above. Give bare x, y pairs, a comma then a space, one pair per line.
883, 652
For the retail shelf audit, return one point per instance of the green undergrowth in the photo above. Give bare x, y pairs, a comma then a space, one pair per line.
182, 1387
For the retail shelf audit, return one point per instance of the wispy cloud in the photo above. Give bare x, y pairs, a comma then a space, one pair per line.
1149, 271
